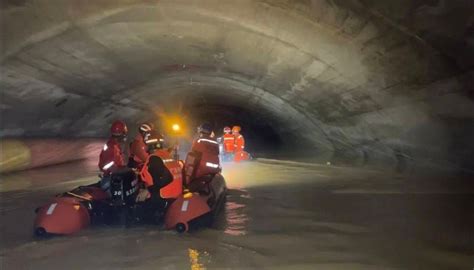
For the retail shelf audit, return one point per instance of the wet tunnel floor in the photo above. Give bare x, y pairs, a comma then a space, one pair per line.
278, 215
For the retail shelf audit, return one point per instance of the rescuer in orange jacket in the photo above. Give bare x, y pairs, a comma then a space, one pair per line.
227, 144
228, 140
239, 152
138, 147
204, 156
111, 157
239, 139
161, 175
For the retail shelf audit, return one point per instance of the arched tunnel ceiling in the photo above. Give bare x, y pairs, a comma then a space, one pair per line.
351, 77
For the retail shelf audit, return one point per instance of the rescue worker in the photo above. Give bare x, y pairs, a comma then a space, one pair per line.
138, 148
161, 176
203, 159
239, 145
228, 141
111, 157
205, 132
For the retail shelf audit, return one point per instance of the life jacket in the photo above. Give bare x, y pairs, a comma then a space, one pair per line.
202, 160
173, 189
229, 143
111, 157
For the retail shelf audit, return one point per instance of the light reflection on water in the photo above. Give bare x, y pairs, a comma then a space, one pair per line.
194, 260
235, 214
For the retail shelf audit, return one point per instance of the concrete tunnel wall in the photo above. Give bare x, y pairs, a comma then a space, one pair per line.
36, 153
362, 82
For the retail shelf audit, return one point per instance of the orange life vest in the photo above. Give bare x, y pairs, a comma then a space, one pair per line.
173, 189
229, 143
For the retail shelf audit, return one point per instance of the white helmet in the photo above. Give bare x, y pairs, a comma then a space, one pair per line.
145, 128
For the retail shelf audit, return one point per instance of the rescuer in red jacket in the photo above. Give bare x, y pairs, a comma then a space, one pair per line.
111, 157
204, 156
138, 147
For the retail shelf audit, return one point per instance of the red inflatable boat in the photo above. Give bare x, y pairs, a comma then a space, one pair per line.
72, 211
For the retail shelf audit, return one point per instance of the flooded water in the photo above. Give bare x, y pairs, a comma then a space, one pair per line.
278, 215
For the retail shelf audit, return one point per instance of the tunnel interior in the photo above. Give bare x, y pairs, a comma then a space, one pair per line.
359, 113
359, 83
260, 130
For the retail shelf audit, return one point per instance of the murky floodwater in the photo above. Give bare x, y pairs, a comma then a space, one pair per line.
278, 215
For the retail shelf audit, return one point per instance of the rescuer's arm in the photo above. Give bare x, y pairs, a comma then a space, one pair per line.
161, 175
240, 143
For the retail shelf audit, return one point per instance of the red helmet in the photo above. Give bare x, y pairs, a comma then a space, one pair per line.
227, 130
118, 128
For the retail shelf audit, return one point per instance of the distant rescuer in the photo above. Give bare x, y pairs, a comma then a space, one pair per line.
111, 157
239, 139
239, 152
228, 141
138, 147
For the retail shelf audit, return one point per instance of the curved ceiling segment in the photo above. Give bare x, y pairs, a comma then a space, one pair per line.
361, 80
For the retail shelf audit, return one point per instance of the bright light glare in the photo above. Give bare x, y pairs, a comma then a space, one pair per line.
176, 127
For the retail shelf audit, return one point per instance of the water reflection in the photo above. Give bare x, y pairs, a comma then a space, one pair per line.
194, 260
236, 213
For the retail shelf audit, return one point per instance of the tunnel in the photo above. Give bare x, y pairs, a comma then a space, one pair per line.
359, 93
